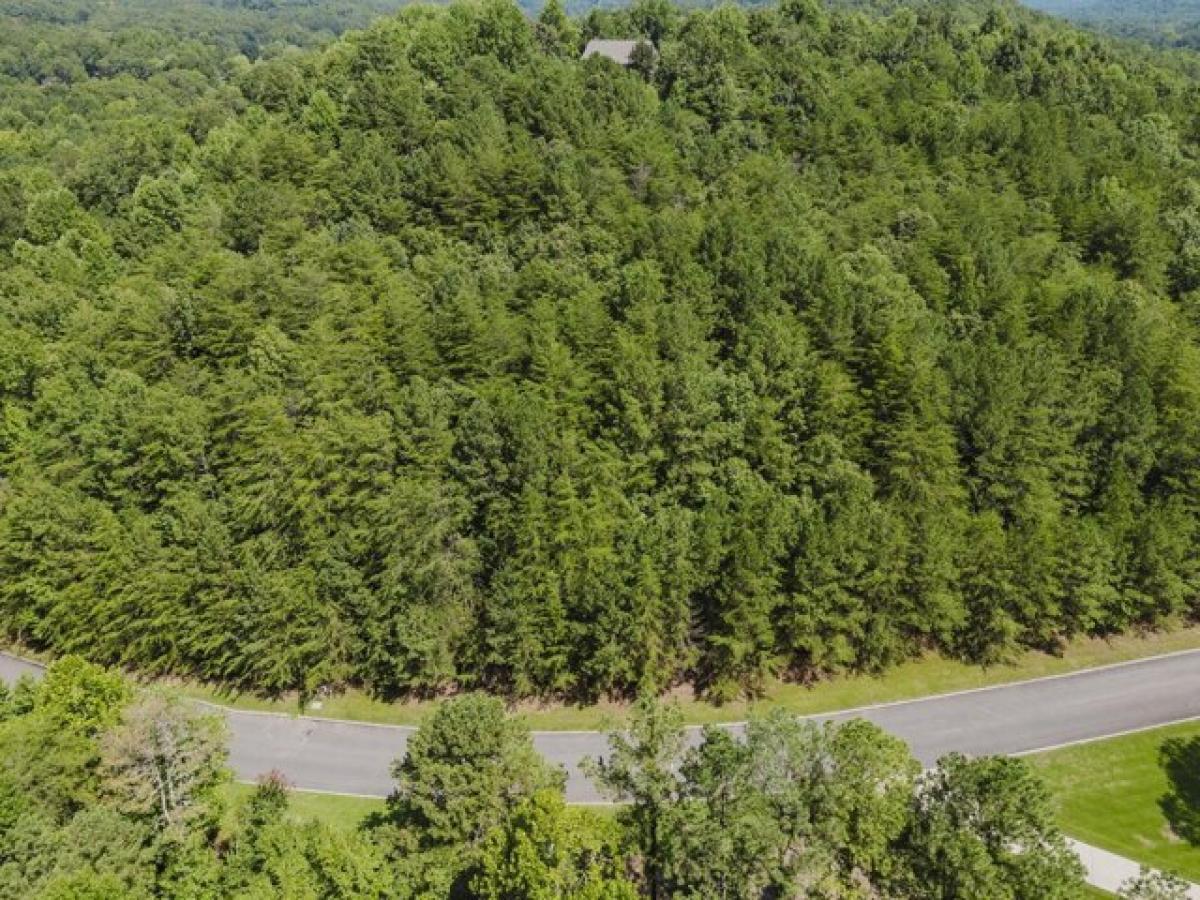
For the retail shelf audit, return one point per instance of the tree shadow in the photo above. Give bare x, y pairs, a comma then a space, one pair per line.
1180, 760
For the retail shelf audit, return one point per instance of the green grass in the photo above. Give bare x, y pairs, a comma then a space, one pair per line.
930, 675
1107, 793
336, 810
918, 678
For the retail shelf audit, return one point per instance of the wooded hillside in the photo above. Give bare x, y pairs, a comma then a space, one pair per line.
437, 357
1165, 23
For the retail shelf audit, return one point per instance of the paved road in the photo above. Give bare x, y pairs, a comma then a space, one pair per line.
12, 668
346, 757
352, 758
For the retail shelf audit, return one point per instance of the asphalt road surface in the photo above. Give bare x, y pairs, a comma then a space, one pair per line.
354, 758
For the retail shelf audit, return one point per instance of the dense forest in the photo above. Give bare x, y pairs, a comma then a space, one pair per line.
433, 357
110, 795
1166, 23
144, 33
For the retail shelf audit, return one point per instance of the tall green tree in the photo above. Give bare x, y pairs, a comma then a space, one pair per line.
462, 772
984, 827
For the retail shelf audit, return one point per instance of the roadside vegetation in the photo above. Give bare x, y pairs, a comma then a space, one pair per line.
338, 811
909, 680
108, 792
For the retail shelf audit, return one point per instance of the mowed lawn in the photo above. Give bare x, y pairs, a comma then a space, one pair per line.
337, 810
1107, 794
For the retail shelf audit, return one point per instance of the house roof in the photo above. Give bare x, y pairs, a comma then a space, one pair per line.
620, 52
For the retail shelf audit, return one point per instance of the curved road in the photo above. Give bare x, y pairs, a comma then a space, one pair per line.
353, 758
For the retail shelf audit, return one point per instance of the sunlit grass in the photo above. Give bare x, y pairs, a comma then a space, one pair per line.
930, 675
336, 810
1107, 794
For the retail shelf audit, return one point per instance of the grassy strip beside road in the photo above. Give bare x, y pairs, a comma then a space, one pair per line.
931, 675
336, 810
1107, 795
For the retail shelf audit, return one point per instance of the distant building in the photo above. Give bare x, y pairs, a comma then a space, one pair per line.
620, 52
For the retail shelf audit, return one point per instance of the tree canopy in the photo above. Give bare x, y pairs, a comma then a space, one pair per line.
434, 357
141, 807
1164, 23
